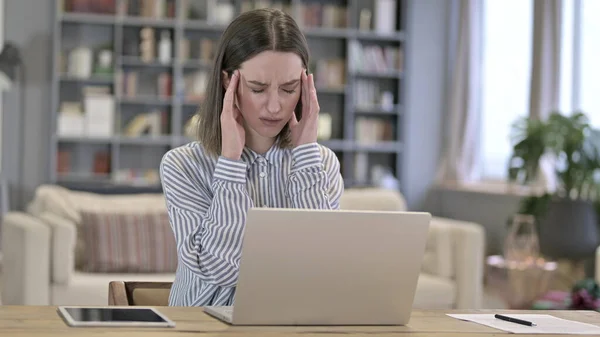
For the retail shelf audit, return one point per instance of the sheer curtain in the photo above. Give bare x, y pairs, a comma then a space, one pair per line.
588, 60
460, 155
545, 65
545, 87
506, 67
503, 71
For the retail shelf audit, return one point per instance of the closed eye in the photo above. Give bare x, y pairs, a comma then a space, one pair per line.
258, 91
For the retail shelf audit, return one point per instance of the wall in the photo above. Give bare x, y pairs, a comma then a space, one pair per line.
28, 24
426, 76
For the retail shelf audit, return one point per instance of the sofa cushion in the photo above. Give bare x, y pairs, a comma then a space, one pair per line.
128, 243
434, 292
373, 199
69, 204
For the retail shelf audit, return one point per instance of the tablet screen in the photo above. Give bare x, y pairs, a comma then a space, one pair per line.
114, 315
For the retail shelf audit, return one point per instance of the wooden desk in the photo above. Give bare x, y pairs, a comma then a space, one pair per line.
20, 321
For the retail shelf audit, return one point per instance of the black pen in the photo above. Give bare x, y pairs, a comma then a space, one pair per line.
514, 320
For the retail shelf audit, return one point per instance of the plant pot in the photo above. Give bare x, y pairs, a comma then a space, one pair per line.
569, 230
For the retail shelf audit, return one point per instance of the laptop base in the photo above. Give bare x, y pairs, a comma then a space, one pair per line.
223, 313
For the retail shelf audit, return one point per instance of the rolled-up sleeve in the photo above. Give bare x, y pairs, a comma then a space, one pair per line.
207, 219
315, 179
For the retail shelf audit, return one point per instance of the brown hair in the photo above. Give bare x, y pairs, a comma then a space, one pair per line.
249, 34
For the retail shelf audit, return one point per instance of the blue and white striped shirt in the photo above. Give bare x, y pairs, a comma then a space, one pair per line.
208, 198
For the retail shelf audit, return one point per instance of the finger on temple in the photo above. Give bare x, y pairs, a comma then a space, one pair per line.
229, 94
304, 89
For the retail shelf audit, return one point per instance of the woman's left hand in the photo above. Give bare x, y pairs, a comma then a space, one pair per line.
305, 131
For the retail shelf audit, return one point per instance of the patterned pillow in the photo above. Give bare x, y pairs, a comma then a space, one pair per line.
128, 243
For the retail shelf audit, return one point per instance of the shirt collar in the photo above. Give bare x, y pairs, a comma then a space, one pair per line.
273, 156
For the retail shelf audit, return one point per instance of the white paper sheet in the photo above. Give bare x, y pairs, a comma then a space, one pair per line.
546, 324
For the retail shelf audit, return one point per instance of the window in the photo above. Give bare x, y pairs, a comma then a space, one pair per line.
506, 64
589, 66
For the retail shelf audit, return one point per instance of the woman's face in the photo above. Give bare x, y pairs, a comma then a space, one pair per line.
268, 91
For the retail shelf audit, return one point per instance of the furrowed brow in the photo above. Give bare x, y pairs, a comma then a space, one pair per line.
290, 82
261, 84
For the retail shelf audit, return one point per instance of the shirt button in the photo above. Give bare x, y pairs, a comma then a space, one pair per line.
262, 174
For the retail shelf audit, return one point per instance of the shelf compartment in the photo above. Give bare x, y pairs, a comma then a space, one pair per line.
377, 110
135, 21
87, 18
83, 139
132, 61
374, 36
335, 33
354, 146
203, 26
145, 100
378, 147
364, 165
139, 164
163, 140
392, 74
331, 91
324, 43
84, 160
195, 64
94, 79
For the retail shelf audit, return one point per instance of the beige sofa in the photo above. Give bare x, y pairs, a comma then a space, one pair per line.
39, 249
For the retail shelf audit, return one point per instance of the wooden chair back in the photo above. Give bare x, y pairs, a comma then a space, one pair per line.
122, 293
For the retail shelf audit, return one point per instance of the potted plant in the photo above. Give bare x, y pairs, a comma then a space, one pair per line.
567, 215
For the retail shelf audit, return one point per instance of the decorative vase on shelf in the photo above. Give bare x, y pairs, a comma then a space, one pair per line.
522, 242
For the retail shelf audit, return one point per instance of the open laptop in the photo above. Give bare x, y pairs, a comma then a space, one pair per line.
327, 267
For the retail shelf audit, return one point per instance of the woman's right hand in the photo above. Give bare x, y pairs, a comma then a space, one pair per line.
233, 135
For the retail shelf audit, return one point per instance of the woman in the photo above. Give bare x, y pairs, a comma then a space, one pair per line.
257, 147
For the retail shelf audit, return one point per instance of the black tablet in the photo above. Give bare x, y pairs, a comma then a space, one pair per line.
77, 316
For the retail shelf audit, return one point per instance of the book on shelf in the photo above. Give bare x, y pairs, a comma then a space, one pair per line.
214, 11
100, 165
370, 94
195, 86
93, 116
102, 162
165, 85
330, 73
99, 115
201, 50
375, 58
311, 14
63, 162
155, 9
323, 15
370, 130
89, 6
324, 126
154, 123
128, 84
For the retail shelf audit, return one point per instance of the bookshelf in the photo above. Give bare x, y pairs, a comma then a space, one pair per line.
118, 104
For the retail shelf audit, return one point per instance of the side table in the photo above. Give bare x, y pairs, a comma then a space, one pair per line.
519, 284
